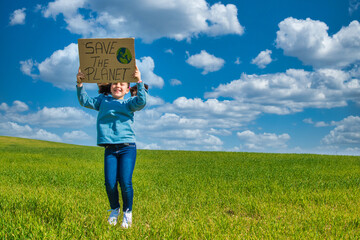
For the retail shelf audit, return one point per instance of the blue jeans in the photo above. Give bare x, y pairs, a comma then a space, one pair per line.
119, 163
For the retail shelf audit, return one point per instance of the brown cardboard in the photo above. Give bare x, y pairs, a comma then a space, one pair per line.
105, 60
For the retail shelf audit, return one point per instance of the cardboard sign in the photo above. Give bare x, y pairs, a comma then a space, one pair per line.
107, 60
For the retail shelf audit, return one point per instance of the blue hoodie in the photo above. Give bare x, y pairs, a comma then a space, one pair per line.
116, 116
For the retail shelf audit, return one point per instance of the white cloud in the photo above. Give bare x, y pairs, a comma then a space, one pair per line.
17, 106
263, 59
38, 8
50, 117
353, 151
242, 101
192, 124
17, 120
151, 146
146, 66
4, 107
11, 127
170, 51
146, 19
170, 121
27, 67
217, 113
169, 130
309, 41
353, 6
76, 135
187, 138
175, 82
308, 121
263, 141
45, 135
61, 117
245, 99
223, 20
25, 131
67, 7
18, 17
237, 61
345, 134
206, 61
292, 91
153, 101
60, 68
212, 119
318, 124
220, 132
321, 124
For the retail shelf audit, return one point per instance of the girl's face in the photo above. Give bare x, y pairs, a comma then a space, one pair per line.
118, 90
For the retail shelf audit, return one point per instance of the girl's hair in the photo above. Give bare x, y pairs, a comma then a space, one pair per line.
133, 89
105, 88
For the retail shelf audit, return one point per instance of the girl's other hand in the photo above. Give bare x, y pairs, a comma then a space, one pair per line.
137, 74
79, 77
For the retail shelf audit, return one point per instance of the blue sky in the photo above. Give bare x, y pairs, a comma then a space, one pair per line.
258, 76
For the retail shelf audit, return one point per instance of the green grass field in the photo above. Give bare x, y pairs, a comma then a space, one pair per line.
56, 191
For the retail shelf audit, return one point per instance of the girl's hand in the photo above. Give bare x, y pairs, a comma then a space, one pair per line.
137, 74
79, 77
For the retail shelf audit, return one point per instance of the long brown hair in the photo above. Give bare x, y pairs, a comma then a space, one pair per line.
133, 89
104, 88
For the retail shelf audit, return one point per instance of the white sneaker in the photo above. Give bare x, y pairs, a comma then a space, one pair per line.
127, 219
113, 216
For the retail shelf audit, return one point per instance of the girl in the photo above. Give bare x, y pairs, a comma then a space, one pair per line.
115, 132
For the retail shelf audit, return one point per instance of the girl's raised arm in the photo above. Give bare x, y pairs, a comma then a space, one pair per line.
84, 99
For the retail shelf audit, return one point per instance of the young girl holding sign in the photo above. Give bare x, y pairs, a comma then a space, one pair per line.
115, 132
